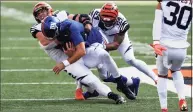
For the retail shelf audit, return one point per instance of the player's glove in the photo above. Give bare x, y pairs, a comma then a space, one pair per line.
158, 49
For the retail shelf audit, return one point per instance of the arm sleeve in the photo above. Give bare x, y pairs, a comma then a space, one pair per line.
157, 25
76, 30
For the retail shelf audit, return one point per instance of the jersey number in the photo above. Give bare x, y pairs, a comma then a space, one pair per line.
181, 14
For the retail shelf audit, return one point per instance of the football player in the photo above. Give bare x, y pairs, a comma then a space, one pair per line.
82, 74
40, 11
73, 31
170, 29
115, 26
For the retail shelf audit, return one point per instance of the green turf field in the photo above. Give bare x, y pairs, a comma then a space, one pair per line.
28, 85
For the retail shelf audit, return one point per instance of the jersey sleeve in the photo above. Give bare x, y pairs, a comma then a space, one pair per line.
76, 30
123, 24
94, 14
35, 29
62, 15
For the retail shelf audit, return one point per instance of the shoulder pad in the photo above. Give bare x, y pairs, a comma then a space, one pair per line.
122, 23
62, 15
94, 14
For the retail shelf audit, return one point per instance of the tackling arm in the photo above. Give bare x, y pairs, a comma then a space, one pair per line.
84, 19
79, 52
45, 43
115, 44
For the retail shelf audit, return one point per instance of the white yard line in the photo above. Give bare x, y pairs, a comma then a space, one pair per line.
48, 58
19, 48
139, 47
41, 83
28, 70
125, 70
28, 18
17, 14
65, 99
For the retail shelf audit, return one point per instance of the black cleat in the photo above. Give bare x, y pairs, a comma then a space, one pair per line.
118, 99
121, 86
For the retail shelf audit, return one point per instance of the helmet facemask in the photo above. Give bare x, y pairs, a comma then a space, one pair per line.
41, 14
109, 14
108, 23
42, 10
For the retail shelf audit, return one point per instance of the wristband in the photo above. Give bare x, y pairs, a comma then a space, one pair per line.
66, 63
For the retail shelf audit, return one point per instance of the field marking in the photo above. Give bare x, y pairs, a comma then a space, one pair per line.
28, 70
17, 14
65, 99
121, 3
28, 18
131, 30
32, 39
144, 78
41, 83
19, 48
48, 58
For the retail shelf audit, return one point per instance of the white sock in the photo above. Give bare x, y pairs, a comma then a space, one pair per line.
78, 84
162, 92
142, 66
179, 84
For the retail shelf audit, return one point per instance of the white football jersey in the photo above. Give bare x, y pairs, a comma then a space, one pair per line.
61, 15
177, 16
121, 25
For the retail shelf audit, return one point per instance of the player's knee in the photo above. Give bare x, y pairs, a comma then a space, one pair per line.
104, 55
90, 80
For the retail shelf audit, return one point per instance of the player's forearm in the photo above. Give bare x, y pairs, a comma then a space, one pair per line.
112, 46
76, 56
80, 52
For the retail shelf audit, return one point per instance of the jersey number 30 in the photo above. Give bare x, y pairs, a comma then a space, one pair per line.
180, 17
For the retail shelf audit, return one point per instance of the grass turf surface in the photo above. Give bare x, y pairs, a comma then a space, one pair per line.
140, 18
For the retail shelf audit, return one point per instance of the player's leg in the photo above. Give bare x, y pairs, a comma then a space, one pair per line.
98, 55
58, 56
96, 88
126, 50
162, 82
177, 58
88, 79
131, 82
79, 91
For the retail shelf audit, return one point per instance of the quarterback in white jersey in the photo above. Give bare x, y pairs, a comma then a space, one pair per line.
114, 27
170, 29
82, 74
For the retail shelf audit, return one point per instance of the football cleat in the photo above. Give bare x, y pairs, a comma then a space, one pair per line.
117, 98
135, 86
120, 100
127, 91
79, 95
164, 110
183, 105
88, 94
